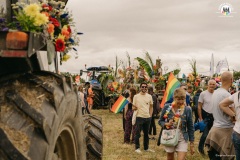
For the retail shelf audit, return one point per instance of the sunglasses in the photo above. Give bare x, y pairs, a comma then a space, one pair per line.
144, 87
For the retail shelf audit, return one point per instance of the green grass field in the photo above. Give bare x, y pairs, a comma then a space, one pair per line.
115, 149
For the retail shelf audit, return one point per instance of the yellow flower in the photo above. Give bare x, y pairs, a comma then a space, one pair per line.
32, 10
66, 57
60, 36
40, 19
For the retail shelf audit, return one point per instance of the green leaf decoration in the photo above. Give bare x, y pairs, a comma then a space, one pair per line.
145, 65
149, 59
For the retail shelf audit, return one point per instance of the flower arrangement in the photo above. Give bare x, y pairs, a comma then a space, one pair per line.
51, 19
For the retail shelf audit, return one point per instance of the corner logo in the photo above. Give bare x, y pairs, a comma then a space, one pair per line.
225, 10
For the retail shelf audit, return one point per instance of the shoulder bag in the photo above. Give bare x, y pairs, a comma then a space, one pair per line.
170, 137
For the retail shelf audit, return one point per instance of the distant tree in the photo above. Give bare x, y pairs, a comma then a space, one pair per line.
193, 65
236, 75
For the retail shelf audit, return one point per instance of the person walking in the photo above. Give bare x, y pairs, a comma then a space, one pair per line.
81, 98
235, 117
85, 101
126, 95
90, 97
169, 118
195, 104
144, 104
218, 140
129, 129
204, 112
153, 129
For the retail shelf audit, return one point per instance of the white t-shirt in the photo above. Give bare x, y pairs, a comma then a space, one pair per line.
221, 119
205, 98
143, 102
234, 98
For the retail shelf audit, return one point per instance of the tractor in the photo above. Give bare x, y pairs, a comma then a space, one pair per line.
40, 113
95, 78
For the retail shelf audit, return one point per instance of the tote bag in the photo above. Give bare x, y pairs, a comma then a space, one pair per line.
170, 137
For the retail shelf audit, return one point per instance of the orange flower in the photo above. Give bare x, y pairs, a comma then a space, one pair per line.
65, 33
46, 14
50, 28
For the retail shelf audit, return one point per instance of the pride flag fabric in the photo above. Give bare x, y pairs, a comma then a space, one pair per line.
172, 84
119, 104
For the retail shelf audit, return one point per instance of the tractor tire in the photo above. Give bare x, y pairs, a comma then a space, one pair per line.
110, 104
40, 118
94, 136
97, 100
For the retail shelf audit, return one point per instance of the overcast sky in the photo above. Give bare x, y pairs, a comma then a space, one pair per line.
175, 31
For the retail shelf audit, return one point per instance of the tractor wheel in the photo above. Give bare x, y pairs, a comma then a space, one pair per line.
40, 118
97, 100
94, 136
110, 104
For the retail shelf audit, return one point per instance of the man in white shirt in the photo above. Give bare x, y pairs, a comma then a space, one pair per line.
143, 103
204, 112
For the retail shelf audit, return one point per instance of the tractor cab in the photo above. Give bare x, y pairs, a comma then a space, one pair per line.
94, 77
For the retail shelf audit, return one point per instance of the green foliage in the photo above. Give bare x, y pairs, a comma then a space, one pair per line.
105, 78
175, 72
193, 65
26, 22
236, 75
149, 59
145, 65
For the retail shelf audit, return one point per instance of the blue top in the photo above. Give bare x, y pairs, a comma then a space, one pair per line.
186, 119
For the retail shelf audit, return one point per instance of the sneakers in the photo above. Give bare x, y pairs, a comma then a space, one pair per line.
149, 150
138, 150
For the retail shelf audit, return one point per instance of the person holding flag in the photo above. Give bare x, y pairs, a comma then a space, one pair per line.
128, 113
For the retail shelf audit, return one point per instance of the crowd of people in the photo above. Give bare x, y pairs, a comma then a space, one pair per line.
216, 108
85, 97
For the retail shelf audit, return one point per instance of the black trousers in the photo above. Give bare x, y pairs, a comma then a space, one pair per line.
152, 127
142, 124
208, 118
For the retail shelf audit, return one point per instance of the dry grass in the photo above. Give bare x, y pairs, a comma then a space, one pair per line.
115, 149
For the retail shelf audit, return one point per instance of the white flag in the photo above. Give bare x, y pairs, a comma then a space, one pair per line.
212, 66
221, 64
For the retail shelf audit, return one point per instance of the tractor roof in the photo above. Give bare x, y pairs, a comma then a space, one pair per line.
100, 68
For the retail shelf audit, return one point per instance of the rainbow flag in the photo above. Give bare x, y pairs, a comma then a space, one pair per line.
119, 104
172, 84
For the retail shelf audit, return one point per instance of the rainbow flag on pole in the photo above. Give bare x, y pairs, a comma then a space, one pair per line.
172, 84
119, 104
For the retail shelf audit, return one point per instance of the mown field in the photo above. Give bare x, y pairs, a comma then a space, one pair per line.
115, 149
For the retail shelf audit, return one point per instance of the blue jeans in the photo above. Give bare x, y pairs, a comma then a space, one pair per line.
142, 124
236, 143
